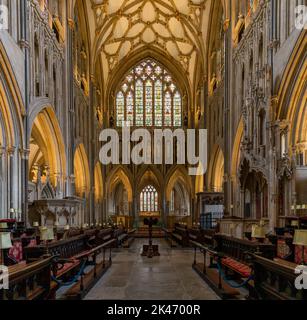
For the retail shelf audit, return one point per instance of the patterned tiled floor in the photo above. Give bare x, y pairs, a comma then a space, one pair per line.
168, 277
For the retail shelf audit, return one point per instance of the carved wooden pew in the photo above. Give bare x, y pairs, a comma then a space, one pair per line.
181, 235
168, 236
103, 236
127, 243
71, 258
29, 281
211, 275
275, 280
235, 253
121, 236
205, 237
97, 258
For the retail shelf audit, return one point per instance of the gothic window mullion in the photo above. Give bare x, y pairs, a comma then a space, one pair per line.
134, 100
125, 107
163, 102
144, 102
153, 104
172, 110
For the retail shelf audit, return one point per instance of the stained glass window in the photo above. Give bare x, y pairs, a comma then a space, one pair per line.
149, 97
149, 200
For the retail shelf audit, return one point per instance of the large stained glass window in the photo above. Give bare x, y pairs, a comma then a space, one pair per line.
149, 97
149, 200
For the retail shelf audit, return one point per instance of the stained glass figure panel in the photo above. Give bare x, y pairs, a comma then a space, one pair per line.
158, 104
177, 110
139, 104
149, 103
120, 108
168, 110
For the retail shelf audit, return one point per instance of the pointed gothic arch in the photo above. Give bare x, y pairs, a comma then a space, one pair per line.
181, 182
119, 191
47, 148
82, 172
98, 183
216, 170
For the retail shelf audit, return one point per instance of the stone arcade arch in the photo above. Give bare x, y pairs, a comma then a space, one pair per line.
12, 145
216, 171
82, 173
291, 137
178, 196
98, 192
47, 158
119, 192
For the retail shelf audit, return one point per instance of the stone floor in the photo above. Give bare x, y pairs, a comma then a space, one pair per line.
168, 277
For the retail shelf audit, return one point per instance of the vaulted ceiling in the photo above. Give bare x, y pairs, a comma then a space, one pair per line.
176, 27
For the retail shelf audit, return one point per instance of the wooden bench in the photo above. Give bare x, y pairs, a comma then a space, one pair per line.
211, 275
181, 235
65, 251
275, 279
127, 243
168, 237
103, 235
89, 278
121, 236
235, 254
29, 281
69, 256
205, 237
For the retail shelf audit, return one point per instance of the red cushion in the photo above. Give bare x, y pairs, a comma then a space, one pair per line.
8, 221
241, 268
299, 254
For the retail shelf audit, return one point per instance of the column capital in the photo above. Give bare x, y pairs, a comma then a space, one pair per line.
11, 151
71, 24
24, 153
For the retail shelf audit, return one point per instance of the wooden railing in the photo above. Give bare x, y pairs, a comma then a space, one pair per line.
275, 280
181, 235
206, 271
28, 282
201, 236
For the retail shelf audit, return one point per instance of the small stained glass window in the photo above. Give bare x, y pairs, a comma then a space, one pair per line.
149, 200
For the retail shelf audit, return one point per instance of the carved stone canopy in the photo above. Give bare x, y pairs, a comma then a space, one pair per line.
53, 209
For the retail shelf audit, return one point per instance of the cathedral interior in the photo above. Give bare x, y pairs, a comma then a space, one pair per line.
72, 227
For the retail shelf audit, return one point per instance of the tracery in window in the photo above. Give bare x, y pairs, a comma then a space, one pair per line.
149, 97
149, 200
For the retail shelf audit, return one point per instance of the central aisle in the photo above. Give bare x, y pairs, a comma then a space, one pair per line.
168, 277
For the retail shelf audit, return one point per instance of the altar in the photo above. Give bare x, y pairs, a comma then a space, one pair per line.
144, 215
